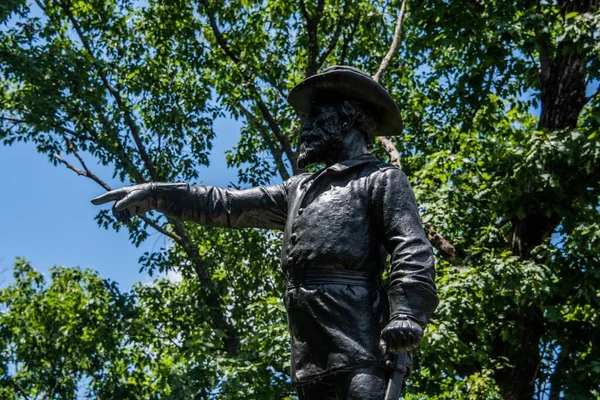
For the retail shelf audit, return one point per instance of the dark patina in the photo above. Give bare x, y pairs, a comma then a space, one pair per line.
339, 225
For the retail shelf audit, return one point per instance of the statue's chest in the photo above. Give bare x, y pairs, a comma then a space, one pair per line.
329, 221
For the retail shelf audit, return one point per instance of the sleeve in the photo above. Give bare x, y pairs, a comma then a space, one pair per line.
259, 207
412, 292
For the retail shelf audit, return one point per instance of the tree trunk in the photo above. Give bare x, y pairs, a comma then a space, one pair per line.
562, 86
518, 383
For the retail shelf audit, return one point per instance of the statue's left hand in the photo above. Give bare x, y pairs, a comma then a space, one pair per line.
129, 201
401, 335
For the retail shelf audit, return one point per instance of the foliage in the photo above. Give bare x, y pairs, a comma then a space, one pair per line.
78, 335
501, 144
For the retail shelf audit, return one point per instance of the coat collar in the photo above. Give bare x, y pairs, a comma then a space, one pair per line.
353, 162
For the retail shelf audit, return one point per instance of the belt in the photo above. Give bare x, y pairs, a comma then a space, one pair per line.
304, 277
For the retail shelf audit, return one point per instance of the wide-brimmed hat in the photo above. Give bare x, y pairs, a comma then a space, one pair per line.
344, 81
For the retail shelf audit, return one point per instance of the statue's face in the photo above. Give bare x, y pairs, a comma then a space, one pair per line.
321, 138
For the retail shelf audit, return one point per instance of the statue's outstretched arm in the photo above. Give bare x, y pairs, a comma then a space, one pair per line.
260, 207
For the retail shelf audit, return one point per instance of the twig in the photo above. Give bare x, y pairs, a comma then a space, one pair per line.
349, 38
387, 144
55, 126
18, 387
182, 236
81, 172
312, 32
14, 120
88, 174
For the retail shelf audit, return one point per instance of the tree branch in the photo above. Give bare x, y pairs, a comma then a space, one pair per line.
336, 35
55, 126
395, 43
277, 152
183, 238
129, 120
443, 245
438, 241
349, 39
19, 388
303, 10
391, 149
387, 144
180, 236
162, 230
76, 170
264, 110
312, 32
85, 172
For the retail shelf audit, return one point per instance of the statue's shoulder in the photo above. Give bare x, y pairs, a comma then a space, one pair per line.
386, 173
387, 169
382, 166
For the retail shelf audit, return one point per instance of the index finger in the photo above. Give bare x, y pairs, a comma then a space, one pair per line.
113, 195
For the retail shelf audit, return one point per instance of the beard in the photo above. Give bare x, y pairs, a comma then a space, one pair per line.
318, 146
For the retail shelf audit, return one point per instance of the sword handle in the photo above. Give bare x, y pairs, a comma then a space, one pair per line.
394, 388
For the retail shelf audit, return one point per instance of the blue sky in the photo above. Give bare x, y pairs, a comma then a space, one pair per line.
46, 215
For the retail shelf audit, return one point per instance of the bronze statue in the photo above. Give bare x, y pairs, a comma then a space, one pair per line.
339, 224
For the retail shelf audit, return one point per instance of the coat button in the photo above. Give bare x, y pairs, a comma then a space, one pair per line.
300, 211
294, 238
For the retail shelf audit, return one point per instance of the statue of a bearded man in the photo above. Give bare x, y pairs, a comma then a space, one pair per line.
339, 223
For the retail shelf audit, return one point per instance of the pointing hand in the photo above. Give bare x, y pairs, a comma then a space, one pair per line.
130, 201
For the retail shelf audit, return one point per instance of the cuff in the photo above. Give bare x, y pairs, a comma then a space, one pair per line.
412, 301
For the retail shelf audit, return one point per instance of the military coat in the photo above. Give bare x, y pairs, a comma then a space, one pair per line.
341, 221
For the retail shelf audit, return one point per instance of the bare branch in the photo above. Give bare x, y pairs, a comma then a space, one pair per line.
14, 120
72, 167
391, 149
162, 230
442, 244
62, 129
89, 174
395, 43
181, 235
387, 144
438, 241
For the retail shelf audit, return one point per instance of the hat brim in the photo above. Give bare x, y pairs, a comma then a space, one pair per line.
357, 86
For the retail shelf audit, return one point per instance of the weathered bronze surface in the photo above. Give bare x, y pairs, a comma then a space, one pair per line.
339, 225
